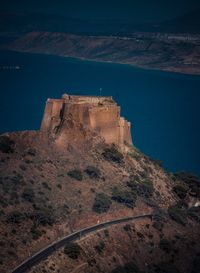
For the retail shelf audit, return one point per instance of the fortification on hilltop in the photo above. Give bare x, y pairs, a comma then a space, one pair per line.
101, 114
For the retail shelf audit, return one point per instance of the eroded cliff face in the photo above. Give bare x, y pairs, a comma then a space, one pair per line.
74, 118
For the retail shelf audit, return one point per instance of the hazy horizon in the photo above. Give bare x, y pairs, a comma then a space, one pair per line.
143, 11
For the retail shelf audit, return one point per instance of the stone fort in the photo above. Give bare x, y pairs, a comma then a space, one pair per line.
101, 114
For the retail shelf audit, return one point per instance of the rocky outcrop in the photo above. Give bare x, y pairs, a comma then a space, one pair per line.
100, 115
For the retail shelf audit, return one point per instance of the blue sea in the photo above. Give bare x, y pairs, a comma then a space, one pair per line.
164, 108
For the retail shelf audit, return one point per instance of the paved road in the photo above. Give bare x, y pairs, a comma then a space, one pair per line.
44, 253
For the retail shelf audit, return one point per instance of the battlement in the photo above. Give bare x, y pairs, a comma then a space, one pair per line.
84, 99
100, 114
87, 99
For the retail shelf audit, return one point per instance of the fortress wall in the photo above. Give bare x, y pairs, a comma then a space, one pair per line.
97, 113
55, 115
105, 121
124, 132
88, 99
78, 112
127, 132
56, 109
121, 131
47, 116
51, 114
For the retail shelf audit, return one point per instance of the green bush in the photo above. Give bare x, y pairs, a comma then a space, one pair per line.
31, 151
112, 154
127, 228
143, 188
36, 234
158, 225
6, 144
46, 185
93, 172
106, 232
177, 214
181, 190
191, 181
43, 216
102, 203
72, 250
166, 245
91, 262
16, 217
100, 247
123, 196
194, 213
76, 174
28, 194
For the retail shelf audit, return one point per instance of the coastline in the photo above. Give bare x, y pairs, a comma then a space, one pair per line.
135, 66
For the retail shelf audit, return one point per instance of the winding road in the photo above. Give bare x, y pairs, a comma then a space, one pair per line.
45, 252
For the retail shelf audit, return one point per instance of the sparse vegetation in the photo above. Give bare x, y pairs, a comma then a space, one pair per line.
72, 250
106, 232
31, 151
112, 154
76, 174
135, 154
181, 190
123, 196
43, 216
102, 203
166, 245
28, 195
32, 215
16, 217
6, 144
23, 167
127, 228
59, 186
194, 213
158, 225
46, 186
142, 188
177, 214
190, 181
93, 172
36, 234
100, 247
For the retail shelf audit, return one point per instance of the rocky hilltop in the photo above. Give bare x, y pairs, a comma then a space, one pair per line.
94, 114
81, 169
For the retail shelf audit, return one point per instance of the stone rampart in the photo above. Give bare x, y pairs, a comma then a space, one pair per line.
100, 114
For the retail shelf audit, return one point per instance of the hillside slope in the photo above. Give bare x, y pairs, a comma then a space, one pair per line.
48, 191
167, 52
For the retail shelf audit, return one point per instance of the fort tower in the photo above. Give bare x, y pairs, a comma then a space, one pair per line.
101, 114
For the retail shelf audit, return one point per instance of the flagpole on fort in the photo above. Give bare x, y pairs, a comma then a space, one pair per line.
100, 89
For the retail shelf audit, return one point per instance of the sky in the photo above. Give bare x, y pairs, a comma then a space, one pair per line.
136, 10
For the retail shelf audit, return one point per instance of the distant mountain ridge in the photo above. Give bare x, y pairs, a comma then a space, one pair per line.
160, 51
19, 22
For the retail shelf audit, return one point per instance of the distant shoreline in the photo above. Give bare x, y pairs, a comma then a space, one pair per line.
83, 59
151, 51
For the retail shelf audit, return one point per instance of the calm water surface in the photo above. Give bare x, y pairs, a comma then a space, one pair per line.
164, 108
